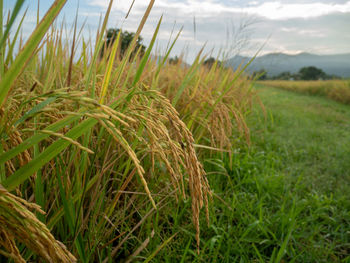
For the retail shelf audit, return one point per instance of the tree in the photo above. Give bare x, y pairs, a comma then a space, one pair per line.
286, 75
124, 42
260, 75
174, 60
209, 62
311, 73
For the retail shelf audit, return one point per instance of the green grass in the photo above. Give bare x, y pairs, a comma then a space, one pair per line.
312, 136
285, 199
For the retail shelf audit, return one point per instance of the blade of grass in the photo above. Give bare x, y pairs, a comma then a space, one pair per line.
35, 110
50, 152
187, 248
147, 54
35, 139
230, 84
131, 47
143, 62
283, 249
14, 40
69, 76
109, 68
59, 212
29, 48
155, 252
2, 50
99, 44
156, 76
69, 213
16, 9
2, 166
192, 71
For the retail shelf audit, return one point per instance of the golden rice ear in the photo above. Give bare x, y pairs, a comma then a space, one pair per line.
8, 243
197, 181
17, 222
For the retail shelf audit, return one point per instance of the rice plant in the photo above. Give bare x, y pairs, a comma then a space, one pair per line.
101, 144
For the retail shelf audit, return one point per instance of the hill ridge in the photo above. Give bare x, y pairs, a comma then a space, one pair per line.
278, 62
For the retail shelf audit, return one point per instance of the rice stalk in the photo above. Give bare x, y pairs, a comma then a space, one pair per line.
124, 126
18, 223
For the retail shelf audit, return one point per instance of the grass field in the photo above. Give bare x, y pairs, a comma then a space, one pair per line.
286, 198
338, 90
316, 130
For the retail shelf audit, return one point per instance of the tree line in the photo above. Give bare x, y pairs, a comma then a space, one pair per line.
305, 73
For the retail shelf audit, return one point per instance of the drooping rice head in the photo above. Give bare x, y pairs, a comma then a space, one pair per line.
19, 224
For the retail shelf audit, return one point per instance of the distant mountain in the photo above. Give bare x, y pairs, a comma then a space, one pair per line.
276, 63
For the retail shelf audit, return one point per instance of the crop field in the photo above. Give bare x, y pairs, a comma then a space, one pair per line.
98, 150
338, 90
121, 156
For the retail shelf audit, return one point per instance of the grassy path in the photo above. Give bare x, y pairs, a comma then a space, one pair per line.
284, 199
311, 134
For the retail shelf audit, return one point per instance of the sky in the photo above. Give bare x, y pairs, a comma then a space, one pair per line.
230, 27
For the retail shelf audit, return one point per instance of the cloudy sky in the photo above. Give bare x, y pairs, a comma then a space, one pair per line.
232, 26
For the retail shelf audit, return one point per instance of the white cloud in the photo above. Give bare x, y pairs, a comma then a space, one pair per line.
277, 10
286, 26
304, 32
274, 10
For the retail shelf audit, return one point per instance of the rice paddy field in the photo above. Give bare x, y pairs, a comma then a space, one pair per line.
338, 90
110, 158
